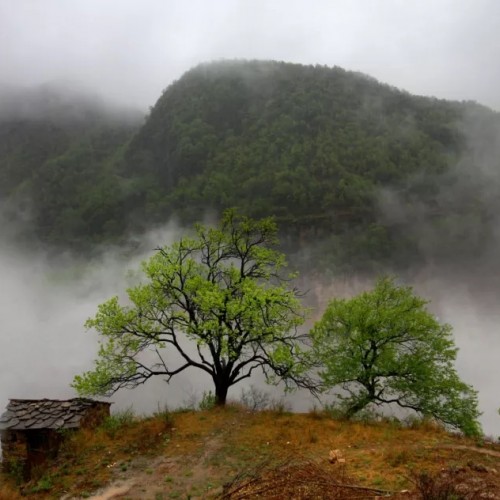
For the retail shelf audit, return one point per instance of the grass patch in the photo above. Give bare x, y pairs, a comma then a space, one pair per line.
117, 422
201, 450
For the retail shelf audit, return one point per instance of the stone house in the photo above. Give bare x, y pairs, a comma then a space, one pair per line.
30, 429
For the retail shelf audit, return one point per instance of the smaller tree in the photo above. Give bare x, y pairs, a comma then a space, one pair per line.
384, 347
217, 302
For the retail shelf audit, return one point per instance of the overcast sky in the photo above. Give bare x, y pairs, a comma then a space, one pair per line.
130, 50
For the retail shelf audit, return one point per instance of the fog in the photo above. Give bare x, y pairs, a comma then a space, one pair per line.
126, 52
475, 328
62, 104
129, 51
44, 303
459, 270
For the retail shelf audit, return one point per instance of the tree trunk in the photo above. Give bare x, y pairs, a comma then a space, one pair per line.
357, 406
221, 388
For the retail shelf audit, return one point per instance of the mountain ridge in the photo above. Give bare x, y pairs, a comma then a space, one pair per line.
316, 147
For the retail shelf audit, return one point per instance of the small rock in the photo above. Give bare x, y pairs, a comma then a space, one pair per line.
334, 456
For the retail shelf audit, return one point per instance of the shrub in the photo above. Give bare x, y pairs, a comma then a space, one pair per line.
207, 401
255, 399
117, 421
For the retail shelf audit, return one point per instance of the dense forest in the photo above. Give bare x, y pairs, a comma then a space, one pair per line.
374, 176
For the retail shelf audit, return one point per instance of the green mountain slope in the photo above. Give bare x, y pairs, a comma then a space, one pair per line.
317, 147
57, 153
298, 142
360, 168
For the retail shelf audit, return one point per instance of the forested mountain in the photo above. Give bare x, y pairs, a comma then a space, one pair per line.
299, 142
57, 163
361, 168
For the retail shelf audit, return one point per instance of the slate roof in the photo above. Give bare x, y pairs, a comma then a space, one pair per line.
24, 414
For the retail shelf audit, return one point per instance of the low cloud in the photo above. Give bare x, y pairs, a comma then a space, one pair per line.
458, 235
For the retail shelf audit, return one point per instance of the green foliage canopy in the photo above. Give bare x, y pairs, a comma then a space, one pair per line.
319, 148
383, 347
217, 300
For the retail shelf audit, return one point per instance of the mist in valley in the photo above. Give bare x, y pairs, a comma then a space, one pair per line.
45, 297
45, 300
459, 268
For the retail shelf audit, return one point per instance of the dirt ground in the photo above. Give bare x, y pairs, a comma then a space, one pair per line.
199, 473
167, 477
235, 454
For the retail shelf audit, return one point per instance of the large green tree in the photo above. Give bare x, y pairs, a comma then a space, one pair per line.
384, 347
217, 302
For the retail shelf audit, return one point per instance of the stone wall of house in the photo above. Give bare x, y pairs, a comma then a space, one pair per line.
14, 453
95, 416
25, 450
